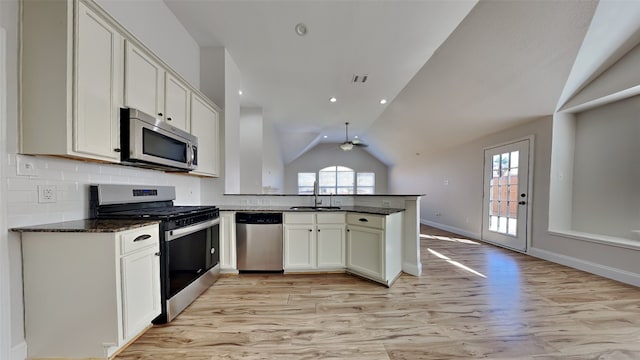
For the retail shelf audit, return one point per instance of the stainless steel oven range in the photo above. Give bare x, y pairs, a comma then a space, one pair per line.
189, 238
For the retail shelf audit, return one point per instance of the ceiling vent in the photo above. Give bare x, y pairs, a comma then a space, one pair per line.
359, 79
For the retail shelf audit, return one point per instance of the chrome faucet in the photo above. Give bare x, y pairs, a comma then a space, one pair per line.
315, 193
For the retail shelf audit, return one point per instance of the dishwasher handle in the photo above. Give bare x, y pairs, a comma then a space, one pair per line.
258, 218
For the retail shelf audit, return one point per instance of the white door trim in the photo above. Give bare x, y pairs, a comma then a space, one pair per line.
5, 299
530, 194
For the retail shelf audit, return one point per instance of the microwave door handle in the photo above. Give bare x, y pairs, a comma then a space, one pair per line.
190, 152
174, 234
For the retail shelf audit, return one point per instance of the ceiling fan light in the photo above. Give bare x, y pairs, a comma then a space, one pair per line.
346, 146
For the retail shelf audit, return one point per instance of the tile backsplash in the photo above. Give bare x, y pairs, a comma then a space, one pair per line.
71, 180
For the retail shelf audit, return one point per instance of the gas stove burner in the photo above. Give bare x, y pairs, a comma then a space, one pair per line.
160, 213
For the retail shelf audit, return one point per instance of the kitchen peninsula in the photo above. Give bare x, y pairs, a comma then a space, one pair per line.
373, 236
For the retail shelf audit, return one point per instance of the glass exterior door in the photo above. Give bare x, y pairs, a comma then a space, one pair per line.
505, 208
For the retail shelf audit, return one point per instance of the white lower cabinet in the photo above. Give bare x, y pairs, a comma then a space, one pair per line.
314, 241
228, 259
331, 245
374, 246
366, 251
299, 241
140, 291
87, 294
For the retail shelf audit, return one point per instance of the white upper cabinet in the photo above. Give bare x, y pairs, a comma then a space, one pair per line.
176, 102
97, 86
150, 88
80, 120
79, 67
205, 125
143, 82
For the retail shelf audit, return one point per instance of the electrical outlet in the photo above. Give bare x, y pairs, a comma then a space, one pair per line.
24, 167
47, 194
386, 203
438, 213
337, 202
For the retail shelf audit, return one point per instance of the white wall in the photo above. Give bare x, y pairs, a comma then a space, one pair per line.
606, 199
328, 154
212, 68
158, 28
250, 150
460, 202
18, 194
272, 161
232, 83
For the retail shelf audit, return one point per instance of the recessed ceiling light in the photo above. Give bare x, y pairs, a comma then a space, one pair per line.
301, 29
333, 99
383, 101
239, 92
325, 136
355, 137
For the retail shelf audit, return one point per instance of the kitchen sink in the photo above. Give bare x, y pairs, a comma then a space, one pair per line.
319, 208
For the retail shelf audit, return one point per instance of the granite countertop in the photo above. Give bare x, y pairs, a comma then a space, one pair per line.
334, 195
88, 225
267, 208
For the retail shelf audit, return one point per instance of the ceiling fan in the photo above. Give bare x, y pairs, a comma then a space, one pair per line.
348, 145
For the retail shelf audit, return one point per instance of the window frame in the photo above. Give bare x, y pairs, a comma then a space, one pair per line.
334, 189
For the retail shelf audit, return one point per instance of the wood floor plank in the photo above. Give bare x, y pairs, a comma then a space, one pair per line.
473, 301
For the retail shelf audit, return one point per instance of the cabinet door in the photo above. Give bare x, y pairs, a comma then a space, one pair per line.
299, 247
176, 102
205, 125
143, 82
366, 251
97, 80
331, 246
228, 260
140, 290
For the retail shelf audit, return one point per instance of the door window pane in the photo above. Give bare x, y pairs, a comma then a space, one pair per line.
503, 206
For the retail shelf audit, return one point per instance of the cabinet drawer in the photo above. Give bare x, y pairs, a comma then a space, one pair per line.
330, 218
133, 240
298, 218
367, 220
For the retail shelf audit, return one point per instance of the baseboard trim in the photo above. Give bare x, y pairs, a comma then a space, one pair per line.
452, 229
624, 276
412, 269
19, 352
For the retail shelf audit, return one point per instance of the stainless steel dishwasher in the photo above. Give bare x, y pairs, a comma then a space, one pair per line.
259, 241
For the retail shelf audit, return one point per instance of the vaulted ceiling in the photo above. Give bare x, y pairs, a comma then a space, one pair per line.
451, 71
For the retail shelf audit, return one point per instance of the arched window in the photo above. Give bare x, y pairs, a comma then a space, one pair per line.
336, 180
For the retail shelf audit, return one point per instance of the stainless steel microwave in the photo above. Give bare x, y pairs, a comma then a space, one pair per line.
152, 143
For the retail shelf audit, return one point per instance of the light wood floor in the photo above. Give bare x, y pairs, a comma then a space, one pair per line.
473, 301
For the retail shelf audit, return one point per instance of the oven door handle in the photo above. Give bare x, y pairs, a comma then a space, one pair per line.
177, 233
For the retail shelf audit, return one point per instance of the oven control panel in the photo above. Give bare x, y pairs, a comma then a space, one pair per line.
191, 219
